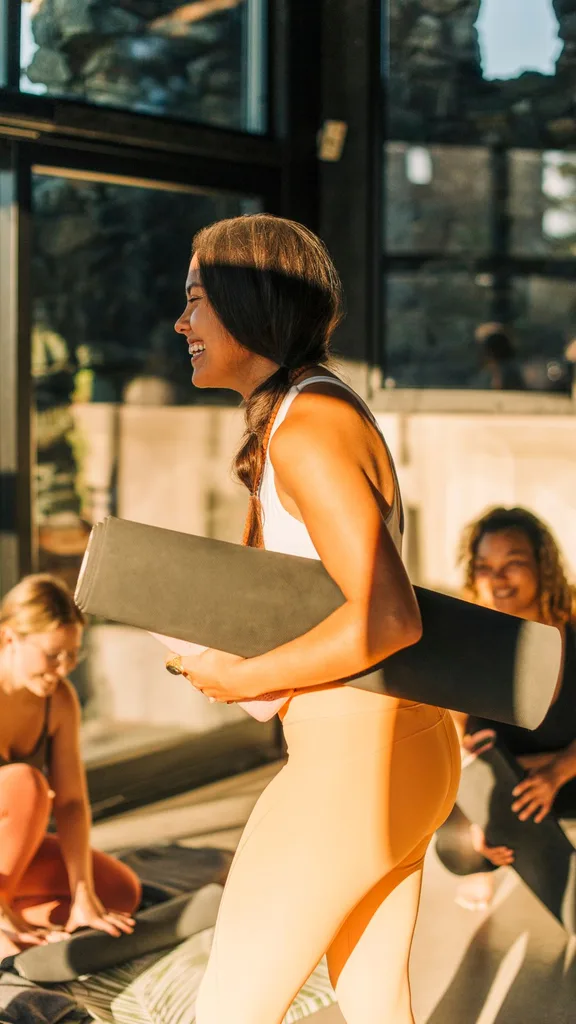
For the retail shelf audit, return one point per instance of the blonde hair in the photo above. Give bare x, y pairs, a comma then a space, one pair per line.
37, 604
556, 595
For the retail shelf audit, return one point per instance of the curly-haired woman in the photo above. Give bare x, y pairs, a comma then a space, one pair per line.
513, 564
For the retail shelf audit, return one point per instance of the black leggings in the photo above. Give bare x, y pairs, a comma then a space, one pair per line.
454, 842
544, 857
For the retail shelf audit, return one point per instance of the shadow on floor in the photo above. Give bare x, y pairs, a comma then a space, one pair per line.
513, 972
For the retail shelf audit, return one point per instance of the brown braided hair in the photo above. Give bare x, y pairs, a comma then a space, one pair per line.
557, 595
272, 284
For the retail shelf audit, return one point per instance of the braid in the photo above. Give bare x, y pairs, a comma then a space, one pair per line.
557, 596
251, 459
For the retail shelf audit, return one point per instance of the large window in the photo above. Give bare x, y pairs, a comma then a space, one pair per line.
125, 126
480, 191
115, 427
203, 61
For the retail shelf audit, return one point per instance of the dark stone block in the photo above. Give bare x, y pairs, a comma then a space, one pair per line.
568, 27
49, 68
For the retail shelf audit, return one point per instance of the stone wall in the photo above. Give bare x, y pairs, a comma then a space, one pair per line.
437, 91
155, 56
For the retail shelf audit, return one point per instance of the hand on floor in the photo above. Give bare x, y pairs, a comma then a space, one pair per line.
88, 912
21, 932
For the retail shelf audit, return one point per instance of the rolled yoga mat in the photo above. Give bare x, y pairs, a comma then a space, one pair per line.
248, 601
92, 951
543, 855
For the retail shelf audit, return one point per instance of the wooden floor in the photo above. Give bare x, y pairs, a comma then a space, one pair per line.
511, 965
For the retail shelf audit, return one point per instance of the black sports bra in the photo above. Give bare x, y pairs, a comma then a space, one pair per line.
39, 757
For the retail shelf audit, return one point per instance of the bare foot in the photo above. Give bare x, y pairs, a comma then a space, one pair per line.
476, 891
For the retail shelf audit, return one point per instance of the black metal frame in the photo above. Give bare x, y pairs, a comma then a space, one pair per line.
11, 33
15, 483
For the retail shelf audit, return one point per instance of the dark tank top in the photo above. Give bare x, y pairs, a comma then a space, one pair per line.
39, 757
558, 730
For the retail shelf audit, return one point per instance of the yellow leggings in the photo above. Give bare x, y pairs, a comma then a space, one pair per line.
331, 861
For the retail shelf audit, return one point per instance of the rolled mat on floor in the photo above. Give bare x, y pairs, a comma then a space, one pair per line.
91, 951
248, 601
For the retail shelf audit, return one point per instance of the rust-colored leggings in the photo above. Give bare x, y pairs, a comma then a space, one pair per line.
33, 875
331, 861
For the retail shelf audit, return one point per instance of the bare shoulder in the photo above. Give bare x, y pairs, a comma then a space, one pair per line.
320, 418
65, 710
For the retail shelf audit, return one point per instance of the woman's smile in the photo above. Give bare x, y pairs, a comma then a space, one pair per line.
196, 349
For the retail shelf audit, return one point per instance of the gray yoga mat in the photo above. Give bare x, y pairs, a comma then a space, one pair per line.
248, 601
91, 951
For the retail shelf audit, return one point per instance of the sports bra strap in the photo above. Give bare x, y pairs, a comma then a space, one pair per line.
324, 379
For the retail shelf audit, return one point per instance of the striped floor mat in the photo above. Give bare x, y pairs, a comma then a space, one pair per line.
161, 989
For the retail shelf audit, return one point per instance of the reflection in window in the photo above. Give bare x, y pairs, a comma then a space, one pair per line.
201, 61
481, 72
542, 203
115, 426
544, 314
431, 318
437, 199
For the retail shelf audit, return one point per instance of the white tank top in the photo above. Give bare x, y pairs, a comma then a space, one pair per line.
282, 532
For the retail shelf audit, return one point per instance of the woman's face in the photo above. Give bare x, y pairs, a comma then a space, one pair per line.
39, 661
218, 360
506, 574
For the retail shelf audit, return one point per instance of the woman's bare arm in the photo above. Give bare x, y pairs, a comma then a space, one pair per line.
71, 805
318, 465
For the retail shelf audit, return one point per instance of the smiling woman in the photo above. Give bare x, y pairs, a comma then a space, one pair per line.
369, 776
48, 882
513, 564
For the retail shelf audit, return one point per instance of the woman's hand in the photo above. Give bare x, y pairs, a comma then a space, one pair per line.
536, 794
88, 912
212, 673
477, 743
209, 673
500, 856
20, 931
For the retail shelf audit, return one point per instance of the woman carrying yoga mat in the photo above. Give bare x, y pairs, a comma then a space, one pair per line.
331, 858
513, 564
48, 883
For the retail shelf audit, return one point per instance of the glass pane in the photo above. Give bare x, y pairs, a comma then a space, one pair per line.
201, 61
544, 310
431, 317
490, 71
437, 199
543, 203
117, 425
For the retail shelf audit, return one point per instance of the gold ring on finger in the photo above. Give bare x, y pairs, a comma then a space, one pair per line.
174, 666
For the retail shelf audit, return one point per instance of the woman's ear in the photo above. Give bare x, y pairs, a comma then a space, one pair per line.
7, 636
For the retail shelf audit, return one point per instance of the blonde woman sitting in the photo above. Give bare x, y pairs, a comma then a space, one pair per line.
49, 885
